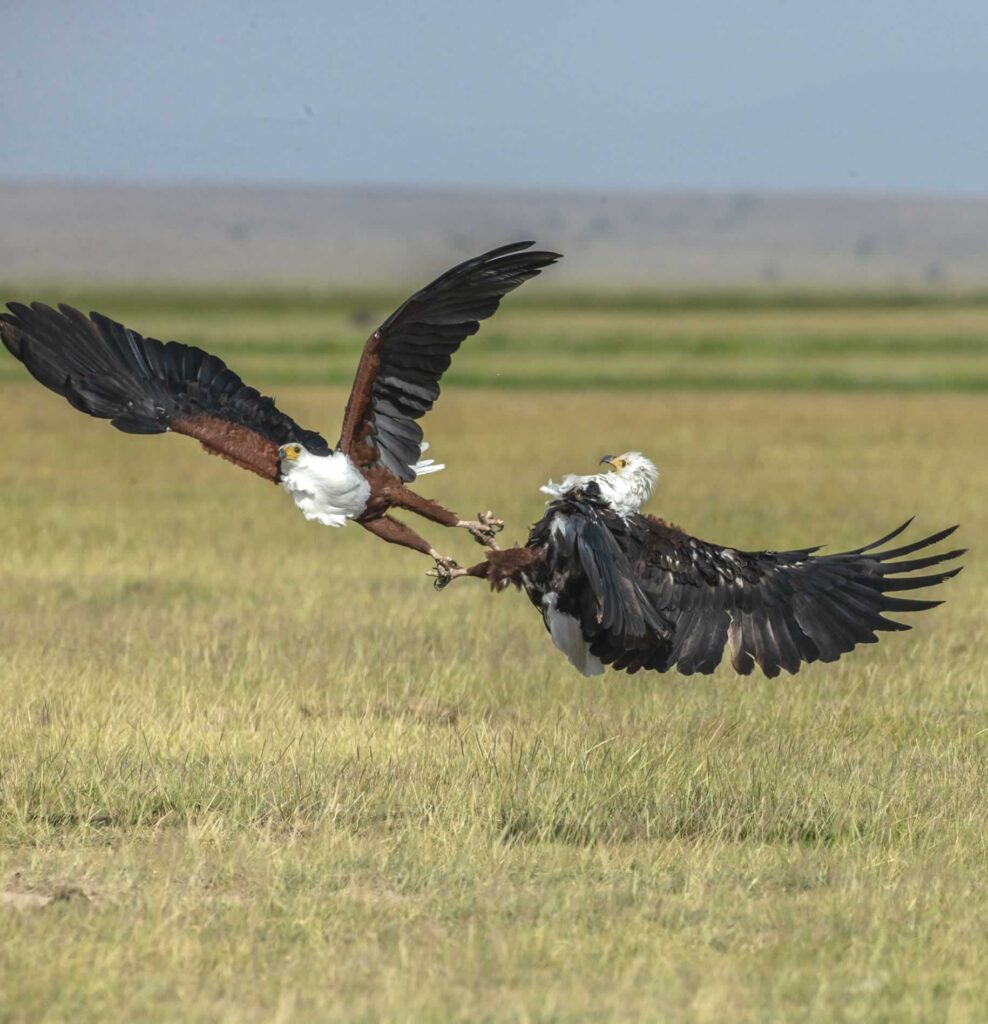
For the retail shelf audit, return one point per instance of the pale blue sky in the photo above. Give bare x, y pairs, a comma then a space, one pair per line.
875, 95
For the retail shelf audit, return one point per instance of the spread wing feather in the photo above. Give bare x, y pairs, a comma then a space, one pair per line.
650, 596
144, 386
397, 379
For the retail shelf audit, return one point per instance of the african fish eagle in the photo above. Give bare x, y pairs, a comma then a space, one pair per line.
145, 387
615, 587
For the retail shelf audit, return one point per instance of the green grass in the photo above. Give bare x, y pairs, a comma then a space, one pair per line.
903, 342
252, 769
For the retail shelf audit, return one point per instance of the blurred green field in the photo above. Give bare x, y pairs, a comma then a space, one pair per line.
252, 769
552, 341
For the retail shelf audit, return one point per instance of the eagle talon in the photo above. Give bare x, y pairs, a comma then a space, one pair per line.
491, 521
445, 572
484, 535
485, 529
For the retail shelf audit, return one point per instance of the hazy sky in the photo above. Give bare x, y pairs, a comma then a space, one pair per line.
880, 94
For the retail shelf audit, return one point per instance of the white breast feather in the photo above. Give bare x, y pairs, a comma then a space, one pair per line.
327, 488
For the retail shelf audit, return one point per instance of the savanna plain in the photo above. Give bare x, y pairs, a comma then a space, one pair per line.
252, 769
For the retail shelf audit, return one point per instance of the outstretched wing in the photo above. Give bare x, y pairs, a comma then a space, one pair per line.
653, 597
397, 380
144, 386
773, 609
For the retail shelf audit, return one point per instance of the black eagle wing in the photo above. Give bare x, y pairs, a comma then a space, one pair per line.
145, 386
773, 609
586, 565
397, 379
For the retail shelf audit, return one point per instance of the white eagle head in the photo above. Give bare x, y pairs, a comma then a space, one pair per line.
637, 475
292, 456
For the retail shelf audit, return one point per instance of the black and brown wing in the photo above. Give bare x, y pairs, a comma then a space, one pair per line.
773, 609
397, 379
144, 386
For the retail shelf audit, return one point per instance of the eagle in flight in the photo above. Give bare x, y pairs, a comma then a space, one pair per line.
615, 587
144, 386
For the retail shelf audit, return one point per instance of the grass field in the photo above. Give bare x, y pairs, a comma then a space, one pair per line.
253, 770
647, 342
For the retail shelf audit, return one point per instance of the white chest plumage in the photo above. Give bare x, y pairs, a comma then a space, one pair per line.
327, 488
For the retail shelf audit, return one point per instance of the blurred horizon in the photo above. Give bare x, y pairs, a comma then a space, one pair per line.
845, 191
378, 236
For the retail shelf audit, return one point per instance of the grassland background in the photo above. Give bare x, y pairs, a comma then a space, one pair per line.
251, 769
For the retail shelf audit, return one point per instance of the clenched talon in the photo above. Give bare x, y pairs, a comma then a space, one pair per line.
445, 571
491, 521
485, 529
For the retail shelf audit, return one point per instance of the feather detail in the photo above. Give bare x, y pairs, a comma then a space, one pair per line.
144, 386
397, 379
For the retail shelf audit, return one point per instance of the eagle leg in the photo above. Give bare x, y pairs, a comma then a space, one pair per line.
424, 507
394, 532
500, 568
482, 529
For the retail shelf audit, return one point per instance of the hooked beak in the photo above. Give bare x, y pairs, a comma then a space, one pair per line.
609, 459
289, 451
